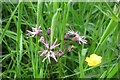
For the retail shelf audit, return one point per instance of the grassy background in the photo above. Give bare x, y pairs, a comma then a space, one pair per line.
97, 21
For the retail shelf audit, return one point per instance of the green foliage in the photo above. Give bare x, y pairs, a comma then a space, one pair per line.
98, 22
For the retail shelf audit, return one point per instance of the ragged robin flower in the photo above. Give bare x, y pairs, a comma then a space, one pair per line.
70, 48
66, 36
93, 60
60, 53
77, 37
35, 31
48, 52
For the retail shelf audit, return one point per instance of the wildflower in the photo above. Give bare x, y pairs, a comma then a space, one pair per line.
60, 53
49, 51
48, 31
80, 39
41, 39
35, 31
66, 36
71, 32
70, 48
77, 37
40, 34
93, 60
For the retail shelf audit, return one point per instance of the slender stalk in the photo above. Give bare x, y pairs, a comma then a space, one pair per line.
19, 38
39, 71
53, 25
81, 65
32, 57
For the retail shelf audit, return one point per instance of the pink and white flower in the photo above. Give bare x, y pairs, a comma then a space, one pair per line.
66, 36
49, 51
60, 52
41, 39
35, 31
70, 48
71, 32
77, 37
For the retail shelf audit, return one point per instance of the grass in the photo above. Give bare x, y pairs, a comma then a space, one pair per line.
97, 21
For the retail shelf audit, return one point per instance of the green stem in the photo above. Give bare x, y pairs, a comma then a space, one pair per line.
18, 39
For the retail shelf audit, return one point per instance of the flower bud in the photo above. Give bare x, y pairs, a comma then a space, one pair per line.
60, 52
66, 36
75, 39
40, 34
48, 31
70, 48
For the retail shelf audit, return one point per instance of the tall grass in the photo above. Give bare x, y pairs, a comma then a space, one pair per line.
19, 46
98, 22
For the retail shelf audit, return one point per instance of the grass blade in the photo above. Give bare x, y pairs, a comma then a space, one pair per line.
8, 23
114, 71
110, 28
53, 25
39, 73
19, 37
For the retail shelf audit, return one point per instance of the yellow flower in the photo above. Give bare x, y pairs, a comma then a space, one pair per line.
93, 60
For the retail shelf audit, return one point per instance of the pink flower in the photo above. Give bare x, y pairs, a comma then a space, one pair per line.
41, 39
48, 31
77, 37
71, 32
60, 53
49, 50
66, 36
80, 39
35, 31
70, 48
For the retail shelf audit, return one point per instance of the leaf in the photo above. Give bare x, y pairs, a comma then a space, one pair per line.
53, 25
84, 51
8, 23
114, 71
110, 28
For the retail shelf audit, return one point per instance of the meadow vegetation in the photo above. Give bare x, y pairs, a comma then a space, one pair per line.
29, 28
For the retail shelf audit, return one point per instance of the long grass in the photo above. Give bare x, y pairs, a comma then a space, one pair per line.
98, 22
19, 46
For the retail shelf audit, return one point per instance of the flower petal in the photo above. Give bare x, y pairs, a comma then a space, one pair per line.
53, 55
48, 56
47, 44
87, 59
54, 46
43, 52
54, 42
44, 59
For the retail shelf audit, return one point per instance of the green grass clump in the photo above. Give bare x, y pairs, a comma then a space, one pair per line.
98, 22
